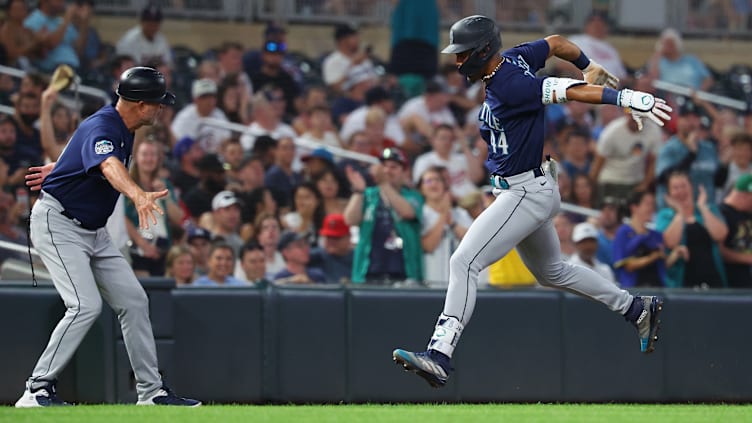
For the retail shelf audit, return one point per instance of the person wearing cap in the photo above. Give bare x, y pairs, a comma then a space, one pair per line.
226, 220
212, 179
625, 157
272, 73
199, 241
53, 26
187, 122
316, 162
145, 41
359, 79
585, 238
639, 251
736, 249
388, 216
186, 153
296, 251
221, 264
335, 257
356, 120
687, 151
348, 53
420, 115
78, 194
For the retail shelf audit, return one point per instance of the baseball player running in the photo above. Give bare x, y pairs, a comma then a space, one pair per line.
79, 193
527, 197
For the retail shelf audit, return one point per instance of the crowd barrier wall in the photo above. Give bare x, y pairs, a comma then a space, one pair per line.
333, 344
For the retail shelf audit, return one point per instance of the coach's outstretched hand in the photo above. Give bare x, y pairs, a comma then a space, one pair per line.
36, 176
146, 205
596, 74
645, 105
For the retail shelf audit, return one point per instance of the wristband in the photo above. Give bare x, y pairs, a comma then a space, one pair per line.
581, 62
610, 96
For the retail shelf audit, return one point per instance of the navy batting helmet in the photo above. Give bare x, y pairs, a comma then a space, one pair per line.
477, 34
145, 84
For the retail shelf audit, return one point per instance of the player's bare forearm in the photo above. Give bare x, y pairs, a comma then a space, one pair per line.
562, 48
117, 175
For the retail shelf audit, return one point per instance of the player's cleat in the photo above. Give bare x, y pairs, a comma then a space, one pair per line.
165, 396
648, 322
45, 396
431, 365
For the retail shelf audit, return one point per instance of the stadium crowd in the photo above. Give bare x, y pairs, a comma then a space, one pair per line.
359, 170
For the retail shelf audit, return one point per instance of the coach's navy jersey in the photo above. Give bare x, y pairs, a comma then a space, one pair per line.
512, 114
77, 181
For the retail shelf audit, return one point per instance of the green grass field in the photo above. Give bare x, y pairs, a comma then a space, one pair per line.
423, 413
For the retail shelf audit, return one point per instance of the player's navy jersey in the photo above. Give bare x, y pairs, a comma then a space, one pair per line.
512, 114
77, 181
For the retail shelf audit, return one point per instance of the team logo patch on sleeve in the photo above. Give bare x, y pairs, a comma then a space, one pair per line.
104, 147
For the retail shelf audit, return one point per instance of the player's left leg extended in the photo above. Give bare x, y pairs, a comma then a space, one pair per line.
541, 254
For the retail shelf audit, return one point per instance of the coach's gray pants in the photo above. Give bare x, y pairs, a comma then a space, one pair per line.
522, 216
85, 267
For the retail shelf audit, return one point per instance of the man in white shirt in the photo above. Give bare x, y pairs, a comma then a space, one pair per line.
465, 169
144, 42
625, 157
423, 113
585, 238
356, 120
348, 53
266, 121
593, 43
187, 122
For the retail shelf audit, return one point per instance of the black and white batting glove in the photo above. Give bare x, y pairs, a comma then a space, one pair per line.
645, 105
596, 74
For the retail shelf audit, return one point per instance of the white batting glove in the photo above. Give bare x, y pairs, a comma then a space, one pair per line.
645, 105
596, 74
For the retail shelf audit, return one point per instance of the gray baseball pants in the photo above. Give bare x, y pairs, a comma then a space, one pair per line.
86, 267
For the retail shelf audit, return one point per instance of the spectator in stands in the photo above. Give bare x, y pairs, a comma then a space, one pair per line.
583, 195
461, 100
149, 246
388, 216
91, 53
265, 120
180, 265
272, 73
443, 225
230, 59
28, 138
186, 154
585, 239
233, 100
671, 64
359, 80
360, 143
688, 152
145, 41
268, 230
247, 175
252, 265
335, 257
281, 178
212, 180
209, 69
232, 155
224, 221
255, 202
329, 185
61, 42
314, 96
118, 65
740, 162
11, 212
576, 158
565, 187
316, 162
321, 128
348, 54
297, 254
625, 157
274, 34
736, 249
450, 151
638, 251
265, 148
55, 124
18, 42
699, 226
414, 43
593, 43
307, 214
33, 83
13, 166
199, 242
608, 223
356, 120
221, 264
564, 226
374, 130
420, 115
187, 122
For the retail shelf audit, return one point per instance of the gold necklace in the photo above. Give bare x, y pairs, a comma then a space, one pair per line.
490, 75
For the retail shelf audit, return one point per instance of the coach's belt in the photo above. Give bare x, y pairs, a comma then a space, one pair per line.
505, 182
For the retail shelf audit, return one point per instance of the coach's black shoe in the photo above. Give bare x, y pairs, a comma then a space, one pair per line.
44, 396
648, 322
165, 396
431, 365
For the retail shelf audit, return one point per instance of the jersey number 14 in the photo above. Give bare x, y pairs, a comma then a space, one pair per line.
499, 142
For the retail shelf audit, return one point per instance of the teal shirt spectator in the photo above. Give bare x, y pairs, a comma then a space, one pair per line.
229, 281
416, 20
675, 273
701, 172
63, 52
687, 71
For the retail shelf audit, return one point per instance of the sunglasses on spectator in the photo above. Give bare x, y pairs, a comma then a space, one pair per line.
275, 47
